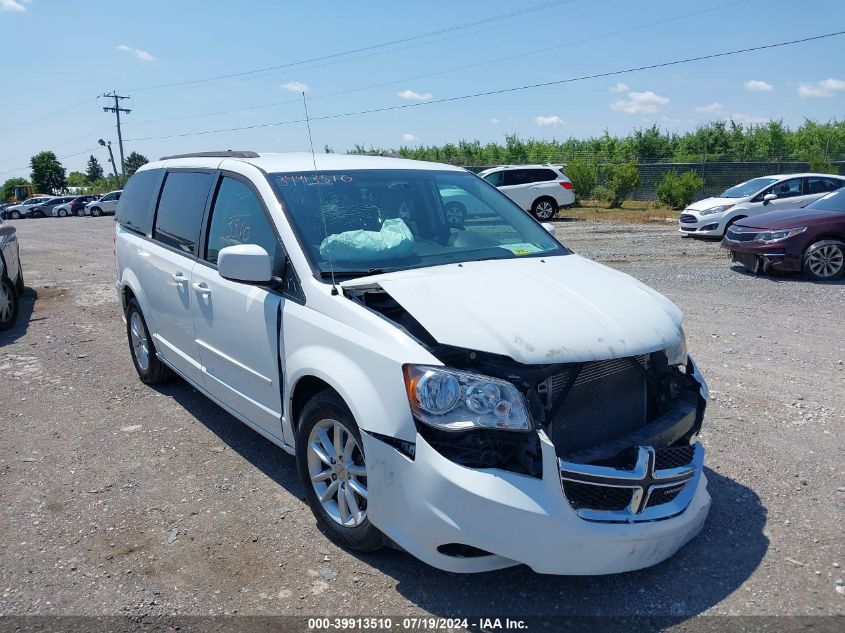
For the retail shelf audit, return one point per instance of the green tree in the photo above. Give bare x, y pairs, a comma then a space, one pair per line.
620, 182
77, 179
677, 191
9, 187
135, 161
47, 175
93, 170
583, 175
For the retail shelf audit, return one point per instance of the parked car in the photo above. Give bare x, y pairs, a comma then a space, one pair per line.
73, 206
538, 189
46, 208
105, 205
408, 364
712, 216
21, 210
11, 276
811, 240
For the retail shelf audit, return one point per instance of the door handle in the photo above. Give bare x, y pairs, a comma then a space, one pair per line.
201, 287
179, 278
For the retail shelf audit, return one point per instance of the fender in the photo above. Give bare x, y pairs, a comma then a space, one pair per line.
131, 281
817, 245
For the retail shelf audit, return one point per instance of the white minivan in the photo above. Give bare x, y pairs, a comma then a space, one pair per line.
711, 217
408, 363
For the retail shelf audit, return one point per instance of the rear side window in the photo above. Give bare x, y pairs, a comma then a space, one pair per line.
822, 185
180, 209
136, 204
517, 177
542, 175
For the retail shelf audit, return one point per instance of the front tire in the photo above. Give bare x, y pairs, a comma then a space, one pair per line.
15, 215
331, 465
825, 261
9, 304
96, 211
544, 209
150, 369
62, 213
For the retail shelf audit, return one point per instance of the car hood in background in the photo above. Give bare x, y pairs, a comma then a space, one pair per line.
708, 203
791, 218
535, 310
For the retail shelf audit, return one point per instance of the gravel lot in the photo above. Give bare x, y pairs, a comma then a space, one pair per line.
122, 499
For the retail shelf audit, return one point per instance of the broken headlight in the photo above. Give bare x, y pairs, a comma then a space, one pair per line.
454, 400
677, 354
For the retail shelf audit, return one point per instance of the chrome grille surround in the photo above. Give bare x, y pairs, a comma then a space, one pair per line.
643, 481
735, 235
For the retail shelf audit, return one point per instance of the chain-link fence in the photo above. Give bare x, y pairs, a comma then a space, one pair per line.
717, 175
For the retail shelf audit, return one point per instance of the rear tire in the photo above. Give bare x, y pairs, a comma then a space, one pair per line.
9, 304
15, 215
824, 261
96, 211
544, 209
61, 213
150, 369
322, 466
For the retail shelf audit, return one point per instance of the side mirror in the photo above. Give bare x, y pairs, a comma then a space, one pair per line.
246, 263
769, 197
549, 227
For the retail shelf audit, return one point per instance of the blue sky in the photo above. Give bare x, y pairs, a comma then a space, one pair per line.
58, 56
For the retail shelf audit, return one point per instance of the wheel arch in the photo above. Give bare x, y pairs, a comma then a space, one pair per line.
130, 287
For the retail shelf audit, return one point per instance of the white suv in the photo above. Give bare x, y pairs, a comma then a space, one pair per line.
538, 189
408, 363
105, 205
711, 217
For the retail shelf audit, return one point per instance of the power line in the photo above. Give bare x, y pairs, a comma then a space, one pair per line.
86, 151
447, 70
457, 27
50, 115
487, 93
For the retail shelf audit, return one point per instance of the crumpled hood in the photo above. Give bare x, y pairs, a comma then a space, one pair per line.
551, 310
708, 203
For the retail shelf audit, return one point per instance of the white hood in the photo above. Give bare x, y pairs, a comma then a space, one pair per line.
553, 310
709, 203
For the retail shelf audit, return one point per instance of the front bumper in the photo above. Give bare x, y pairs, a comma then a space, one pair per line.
763, 258
693, 223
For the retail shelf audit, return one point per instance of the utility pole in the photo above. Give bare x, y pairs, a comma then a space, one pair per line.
117, 110
111, 158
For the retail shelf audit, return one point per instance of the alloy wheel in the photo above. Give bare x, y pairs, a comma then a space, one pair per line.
544, 210
338, 472
7, 303
140, 345
826, 262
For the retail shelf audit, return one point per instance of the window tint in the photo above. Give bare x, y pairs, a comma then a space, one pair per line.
788, 188
822, 185
136, 204
542, 175
238, 217
517, 177
495, 178
180, 209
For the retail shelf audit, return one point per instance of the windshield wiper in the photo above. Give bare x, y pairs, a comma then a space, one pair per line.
327, 274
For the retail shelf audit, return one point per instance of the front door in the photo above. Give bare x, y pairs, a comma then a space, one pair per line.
237, 324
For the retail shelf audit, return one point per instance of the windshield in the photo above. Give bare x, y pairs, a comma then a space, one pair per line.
370, 221
748, 188
834, 201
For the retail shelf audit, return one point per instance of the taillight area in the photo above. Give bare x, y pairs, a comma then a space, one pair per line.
566, 184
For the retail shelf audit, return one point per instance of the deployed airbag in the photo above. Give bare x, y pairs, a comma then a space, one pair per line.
393, 240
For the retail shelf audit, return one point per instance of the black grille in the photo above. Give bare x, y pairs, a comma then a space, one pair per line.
686, 218
673, 457
607, 400
596, 497
659, 496
736, 236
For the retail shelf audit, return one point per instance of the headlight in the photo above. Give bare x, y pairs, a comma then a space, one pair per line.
718, 209
677, 354
454, 400
777, 236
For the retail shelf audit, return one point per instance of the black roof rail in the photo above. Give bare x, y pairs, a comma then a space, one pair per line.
221, 154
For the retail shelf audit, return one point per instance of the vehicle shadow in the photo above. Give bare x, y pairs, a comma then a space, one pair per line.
25, 308
778, 276
708, 569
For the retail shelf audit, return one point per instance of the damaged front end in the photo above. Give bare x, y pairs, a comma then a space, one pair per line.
623, 429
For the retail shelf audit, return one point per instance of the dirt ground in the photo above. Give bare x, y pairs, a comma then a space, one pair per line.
118, 498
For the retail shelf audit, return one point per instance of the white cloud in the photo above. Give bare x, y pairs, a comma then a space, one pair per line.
710, 107
411, 95
620, 87
646, 102
821, 89
755, 85
295, 86
494, 121
548, 121
409, 138
144, 56
12, 5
